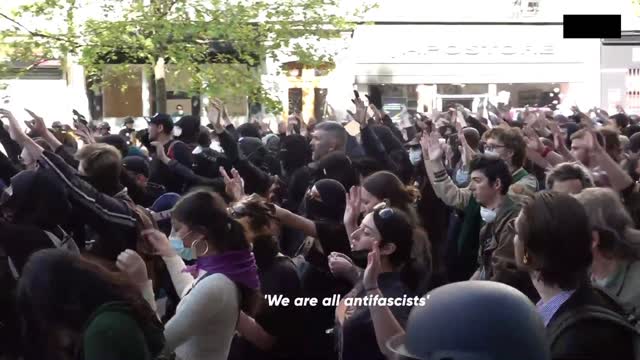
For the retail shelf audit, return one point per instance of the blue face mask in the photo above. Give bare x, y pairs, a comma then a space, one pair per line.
462, 176
178, 246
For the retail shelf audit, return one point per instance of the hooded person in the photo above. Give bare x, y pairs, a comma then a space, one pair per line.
295, 152
272, 143
249, 130
32, 208
187, 130
324, 205
254, 151
336, 166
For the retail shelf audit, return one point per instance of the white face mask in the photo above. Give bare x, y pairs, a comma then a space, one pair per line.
177, 131
415, 155
491, 153
487, 215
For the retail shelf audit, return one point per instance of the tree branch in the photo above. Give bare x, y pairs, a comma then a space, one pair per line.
36, 33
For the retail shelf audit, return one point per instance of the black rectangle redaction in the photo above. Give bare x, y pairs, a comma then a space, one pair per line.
591, 26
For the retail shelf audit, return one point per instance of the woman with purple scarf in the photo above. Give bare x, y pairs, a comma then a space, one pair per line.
223, 283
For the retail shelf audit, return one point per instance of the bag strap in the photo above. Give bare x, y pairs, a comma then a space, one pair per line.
588, 312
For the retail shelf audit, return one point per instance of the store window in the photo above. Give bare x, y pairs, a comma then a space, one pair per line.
531, 94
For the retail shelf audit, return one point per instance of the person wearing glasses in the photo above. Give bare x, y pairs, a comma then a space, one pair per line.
553, 243
388, 230
274, 333
492, 252
481, 203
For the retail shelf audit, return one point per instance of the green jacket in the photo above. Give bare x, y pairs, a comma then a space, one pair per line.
113, 333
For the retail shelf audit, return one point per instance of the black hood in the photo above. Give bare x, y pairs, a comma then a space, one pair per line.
38, 198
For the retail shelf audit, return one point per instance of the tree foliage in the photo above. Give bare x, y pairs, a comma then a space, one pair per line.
220, 44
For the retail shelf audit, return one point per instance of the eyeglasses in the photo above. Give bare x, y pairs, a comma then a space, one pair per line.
492, 147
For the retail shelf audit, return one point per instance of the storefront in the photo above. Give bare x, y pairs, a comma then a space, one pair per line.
621, 73
434, 65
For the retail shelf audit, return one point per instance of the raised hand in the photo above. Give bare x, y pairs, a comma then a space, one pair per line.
15, 132
371, 273
532, 140
159, 241
214, 114
361, 109
341, 266
130, 263
83, 132
37, 125
433, 147
354, 205
162, 156
234, 185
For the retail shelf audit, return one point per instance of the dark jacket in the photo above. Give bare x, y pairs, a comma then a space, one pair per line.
496, 255
589, 339
110, 218
255, 179
113, 332
159, 173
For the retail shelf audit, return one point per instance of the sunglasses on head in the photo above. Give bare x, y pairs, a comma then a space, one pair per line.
384, 210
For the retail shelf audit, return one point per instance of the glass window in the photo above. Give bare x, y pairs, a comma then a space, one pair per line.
462, 89
531, 94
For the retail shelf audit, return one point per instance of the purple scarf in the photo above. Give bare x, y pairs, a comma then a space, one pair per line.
239, 266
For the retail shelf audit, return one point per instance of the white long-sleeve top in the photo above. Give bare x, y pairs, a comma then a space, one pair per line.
206, 317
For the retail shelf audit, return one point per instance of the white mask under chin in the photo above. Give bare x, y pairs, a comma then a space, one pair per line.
491, 153
177, 131
487, 215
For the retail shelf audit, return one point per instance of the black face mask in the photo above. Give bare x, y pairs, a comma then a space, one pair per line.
359, 258
317, 210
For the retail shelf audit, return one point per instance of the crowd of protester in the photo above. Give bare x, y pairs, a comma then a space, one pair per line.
494, 237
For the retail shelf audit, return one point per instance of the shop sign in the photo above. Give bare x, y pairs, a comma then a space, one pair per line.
479, 50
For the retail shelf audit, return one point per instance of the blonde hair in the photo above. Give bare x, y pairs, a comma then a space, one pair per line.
103, 164
607, 215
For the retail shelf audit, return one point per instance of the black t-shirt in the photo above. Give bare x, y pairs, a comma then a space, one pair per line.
357, 337
282, 322
160, 173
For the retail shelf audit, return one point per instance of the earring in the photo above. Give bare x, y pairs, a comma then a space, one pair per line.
194, 248
525, 258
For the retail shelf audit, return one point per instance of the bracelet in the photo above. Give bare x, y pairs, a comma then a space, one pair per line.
370, 289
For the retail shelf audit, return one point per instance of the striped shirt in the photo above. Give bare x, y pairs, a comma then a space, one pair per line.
549, 308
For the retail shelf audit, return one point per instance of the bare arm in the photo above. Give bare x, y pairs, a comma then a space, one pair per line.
18, 135
385, 324
255, 333
295, 221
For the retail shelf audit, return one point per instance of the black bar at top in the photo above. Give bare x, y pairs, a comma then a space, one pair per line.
592, 26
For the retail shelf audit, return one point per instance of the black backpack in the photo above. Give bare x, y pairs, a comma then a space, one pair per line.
593, 312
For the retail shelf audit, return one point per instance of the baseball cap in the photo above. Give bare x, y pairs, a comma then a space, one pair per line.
162, 119
56, 125
129, 120
136, 164
105, 125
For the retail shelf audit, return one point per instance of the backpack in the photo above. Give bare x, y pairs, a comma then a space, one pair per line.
66, 243
592, 312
